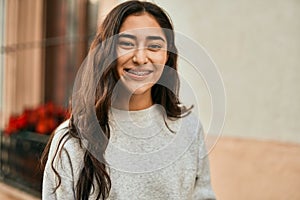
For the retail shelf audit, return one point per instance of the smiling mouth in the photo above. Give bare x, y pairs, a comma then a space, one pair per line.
140, 73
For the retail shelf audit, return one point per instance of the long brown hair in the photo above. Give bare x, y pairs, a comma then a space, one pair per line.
93, 169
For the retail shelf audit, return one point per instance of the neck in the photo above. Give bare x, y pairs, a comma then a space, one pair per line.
140, 101
136, 101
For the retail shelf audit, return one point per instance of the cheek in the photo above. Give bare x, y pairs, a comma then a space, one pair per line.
121, 61
119, 67
160, 62
160, 58
160, 68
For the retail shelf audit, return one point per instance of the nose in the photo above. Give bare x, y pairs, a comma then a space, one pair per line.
140, 56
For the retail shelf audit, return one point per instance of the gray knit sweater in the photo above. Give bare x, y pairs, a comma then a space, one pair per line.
147, 159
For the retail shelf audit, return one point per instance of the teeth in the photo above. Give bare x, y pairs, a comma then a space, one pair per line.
139, 73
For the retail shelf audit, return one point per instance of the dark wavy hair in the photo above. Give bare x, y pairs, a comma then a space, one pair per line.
93, 169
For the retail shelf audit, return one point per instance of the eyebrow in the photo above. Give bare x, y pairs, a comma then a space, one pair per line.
155, 38
148, 37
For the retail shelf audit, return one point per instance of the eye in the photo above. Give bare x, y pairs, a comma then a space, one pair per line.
126, 44
154, 47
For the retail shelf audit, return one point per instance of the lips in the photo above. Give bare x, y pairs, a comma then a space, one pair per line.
138, 74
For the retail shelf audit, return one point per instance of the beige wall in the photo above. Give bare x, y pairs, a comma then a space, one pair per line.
256, 46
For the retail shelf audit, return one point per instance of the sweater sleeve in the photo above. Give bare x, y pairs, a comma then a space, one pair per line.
203, 189
63, 165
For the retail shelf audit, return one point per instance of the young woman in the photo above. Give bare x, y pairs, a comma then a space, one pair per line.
163, 154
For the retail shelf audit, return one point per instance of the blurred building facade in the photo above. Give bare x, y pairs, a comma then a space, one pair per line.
43, 43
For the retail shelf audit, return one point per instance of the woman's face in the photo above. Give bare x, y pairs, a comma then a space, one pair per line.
142, 53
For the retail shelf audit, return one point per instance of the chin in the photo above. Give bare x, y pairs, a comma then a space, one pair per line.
140, 90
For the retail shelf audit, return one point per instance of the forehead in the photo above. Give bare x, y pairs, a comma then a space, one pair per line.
143, 24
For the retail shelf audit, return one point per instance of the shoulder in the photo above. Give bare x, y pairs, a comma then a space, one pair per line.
66, 154
188, 129
63, 141
62, 138
188, 123
61, 135
193, 121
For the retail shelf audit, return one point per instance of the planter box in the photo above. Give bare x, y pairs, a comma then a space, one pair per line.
20, 154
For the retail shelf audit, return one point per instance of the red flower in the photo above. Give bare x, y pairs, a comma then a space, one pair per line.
46, 125
43, 119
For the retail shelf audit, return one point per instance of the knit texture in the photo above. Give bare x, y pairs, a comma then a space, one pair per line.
148, 155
